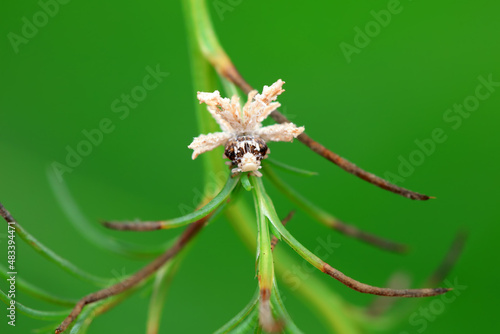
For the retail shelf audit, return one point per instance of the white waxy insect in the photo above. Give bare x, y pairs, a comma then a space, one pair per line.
242, 133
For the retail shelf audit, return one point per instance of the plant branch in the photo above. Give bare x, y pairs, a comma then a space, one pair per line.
190, 232
270, 213
265, 273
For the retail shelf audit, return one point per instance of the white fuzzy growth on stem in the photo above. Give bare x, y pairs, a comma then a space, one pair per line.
235, 122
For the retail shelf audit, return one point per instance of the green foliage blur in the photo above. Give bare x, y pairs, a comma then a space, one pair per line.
378, 82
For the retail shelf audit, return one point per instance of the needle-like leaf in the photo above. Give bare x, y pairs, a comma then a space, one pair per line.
218, 200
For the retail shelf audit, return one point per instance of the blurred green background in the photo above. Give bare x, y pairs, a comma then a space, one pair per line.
394, 89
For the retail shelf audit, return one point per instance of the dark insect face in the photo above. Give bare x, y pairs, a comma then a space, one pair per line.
246, 152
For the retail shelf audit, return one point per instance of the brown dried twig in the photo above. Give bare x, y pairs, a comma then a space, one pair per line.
227, 69
373, 290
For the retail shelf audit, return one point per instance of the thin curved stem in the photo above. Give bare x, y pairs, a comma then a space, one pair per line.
48, 253
265, 273
327, 219
180, 221
204, 79
270, 212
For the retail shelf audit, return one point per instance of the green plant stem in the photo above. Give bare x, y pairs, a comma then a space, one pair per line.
266, 269
205, 36
203, 77
269, 211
